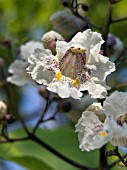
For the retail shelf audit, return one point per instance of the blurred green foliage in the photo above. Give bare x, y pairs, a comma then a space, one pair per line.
29, 19
63, 140
98, 12
21, 18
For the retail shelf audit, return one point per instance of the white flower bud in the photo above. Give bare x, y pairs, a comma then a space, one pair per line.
3, 109
66, 23
49, 39
97, 109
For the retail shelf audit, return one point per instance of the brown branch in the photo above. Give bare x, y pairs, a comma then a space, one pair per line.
42, 115
119, 20
119, 86
88, 22
14, 140
103, 157
59, 155
106, 27
116, 153
75, 12
116, 162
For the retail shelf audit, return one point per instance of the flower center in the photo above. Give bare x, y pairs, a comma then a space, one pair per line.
73, 63
76, 82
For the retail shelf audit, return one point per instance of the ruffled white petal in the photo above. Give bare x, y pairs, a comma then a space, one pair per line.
37, 61
19, 75
103, 66
88, 39
115, 105
61, 48
96, 89
64, 90
119, 141
28, 48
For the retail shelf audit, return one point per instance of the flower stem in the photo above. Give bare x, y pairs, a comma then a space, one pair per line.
106, 27
119, 20
103, 158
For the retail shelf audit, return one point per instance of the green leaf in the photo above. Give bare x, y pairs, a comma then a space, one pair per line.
63, 140
31, 163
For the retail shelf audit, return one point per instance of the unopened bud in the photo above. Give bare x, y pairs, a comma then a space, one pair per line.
85, 7
1, 63
115, 45
65, 3
44, 92
7, 43
49, 39
3, 109
9, 118
65, 106
111, 40
97, 109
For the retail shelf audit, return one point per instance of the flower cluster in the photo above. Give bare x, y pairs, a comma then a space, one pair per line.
77, 66
98, 124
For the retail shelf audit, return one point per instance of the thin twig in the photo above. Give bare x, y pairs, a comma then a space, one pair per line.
59, 155
14, 140
114, 163
75, 12
119, 20
119, 86
106, 27
42, 115
116, 151
88, 22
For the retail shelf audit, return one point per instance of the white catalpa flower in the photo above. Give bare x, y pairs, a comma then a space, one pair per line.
99, 125
19, 75
77, 66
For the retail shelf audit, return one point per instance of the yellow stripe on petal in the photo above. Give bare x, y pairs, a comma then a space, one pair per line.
76, 82
104, 134
58, 75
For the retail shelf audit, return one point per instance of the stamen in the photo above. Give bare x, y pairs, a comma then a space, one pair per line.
76, 82
72, 64
104, 134
58, 75
77, 50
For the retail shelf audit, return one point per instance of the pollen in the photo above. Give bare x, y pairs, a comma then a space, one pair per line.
104, 134
76, 82
58, 75
77, 50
